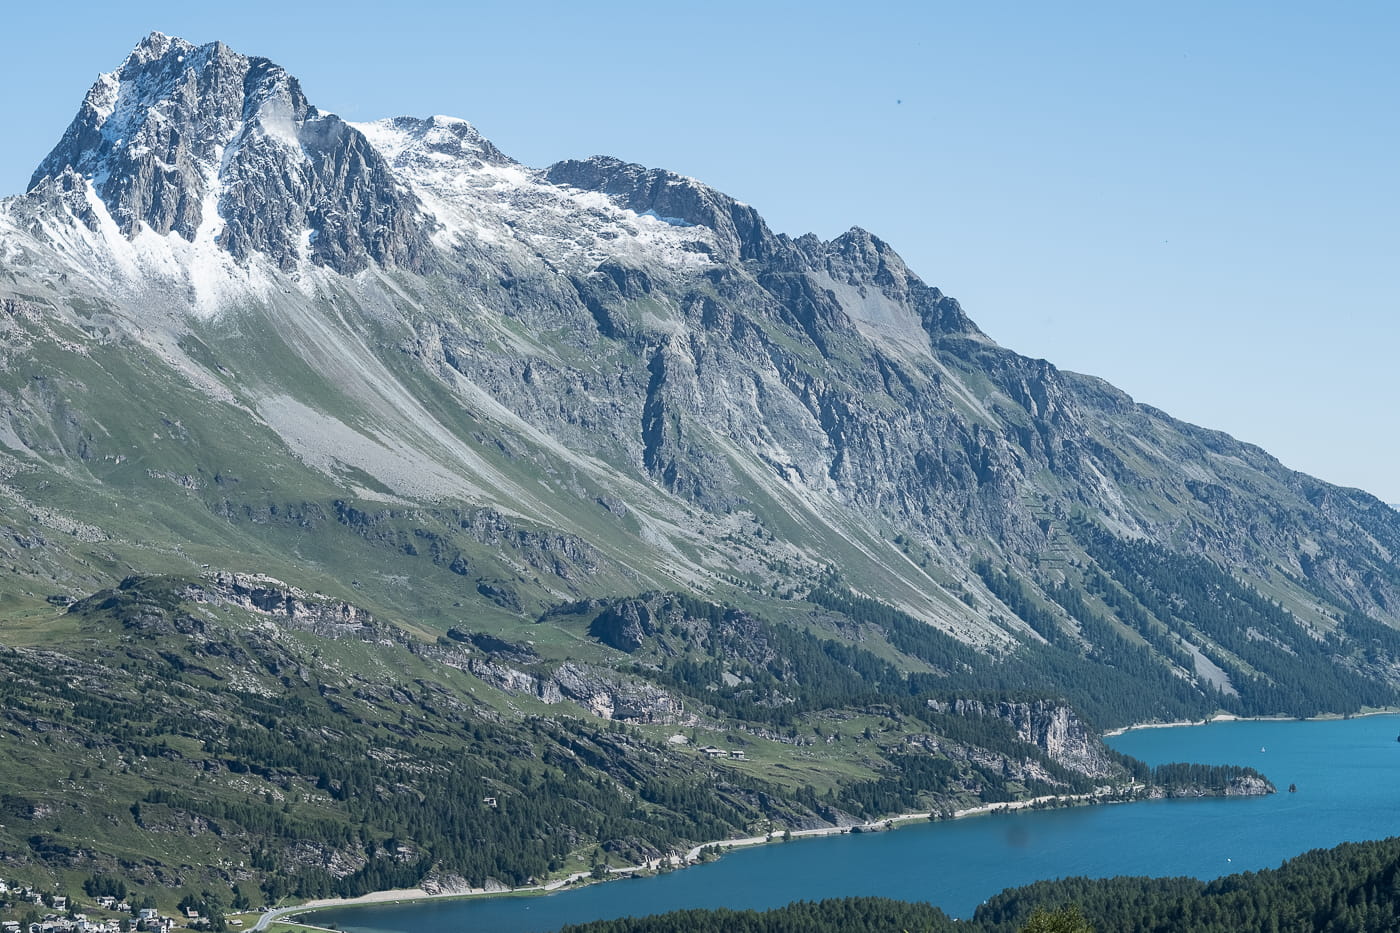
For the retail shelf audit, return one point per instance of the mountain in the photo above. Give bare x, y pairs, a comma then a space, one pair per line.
375, 417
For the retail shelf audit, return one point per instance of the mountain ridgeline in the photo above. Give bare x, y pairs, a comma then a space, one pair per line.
655, 524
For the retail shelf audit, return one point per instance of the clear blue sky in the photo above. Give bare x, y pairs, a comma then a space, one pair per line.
1197, 201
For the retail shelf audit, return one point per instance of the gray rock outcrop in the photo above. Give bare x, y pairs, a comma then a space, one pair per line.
1052, 727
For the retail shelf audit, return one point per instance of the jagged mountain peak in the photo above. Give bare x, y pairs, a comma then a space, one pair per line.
165, 88
156, 44
201, 140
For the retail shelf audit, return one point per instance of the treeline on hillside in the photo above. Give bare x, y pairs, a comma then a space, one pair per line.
776, 675
1167, 599
1352, 888
394, 778
1190, 594
293, 762
303, 764
801, 673
1116, 684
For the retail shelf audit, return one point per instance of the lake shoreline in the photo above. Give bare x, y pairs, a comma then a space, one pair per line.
1231, 717
691, 858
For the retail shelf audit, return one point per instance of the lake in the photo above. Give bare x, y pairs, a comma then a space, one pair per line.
1345, 771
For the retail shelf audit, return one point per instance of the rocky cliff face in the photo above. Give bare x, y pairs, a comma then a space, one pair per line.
1052, 727
597, 690
739, 232
327, 617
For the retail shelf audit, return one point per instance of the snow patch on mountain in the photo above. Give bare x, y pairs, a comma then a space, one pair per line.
672, 221
147, 267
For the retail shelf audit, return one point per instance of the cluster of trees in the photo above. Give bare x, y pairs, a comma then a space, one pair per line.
1183, 776
1353, 887
1113, 679
478, 807
915, 638
841, 915
209, 905
105, 886
799, 673
796, 673
784, 672
923, 782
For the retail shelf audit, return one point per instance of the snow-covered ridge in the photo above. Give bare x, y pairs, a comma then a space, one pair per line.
66, 222
223, 151
480, 195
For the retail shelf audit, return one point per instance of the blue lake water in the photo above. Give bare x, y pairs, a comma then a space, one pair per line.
1346, 772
